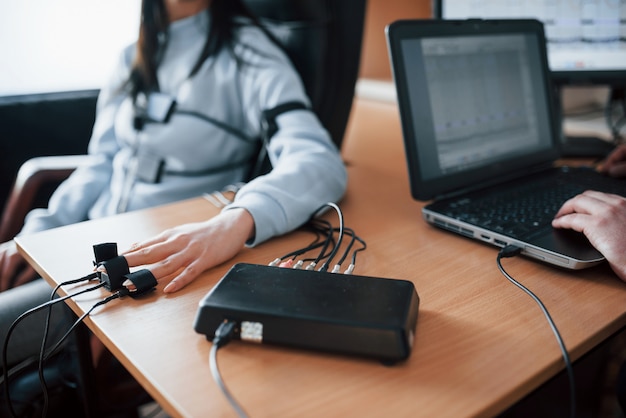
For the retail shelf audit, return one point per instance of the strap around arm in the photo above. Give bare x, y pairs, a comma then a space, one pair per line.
269, 127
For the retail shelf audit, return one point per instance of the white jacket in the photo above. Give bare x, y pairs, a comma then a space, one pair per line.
198, 156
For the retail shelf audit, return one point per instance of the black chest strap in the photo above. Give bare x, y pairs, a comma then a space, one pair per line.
269, 127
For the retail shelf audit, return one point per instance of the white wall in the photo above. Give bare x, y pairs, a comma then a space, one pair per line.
62, 45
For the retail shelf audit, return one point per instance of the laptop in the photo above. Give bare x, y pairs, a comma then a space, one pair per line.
481, 137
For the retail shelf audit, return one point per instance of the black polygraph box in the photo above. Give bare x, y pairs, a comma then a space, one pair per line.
348, 314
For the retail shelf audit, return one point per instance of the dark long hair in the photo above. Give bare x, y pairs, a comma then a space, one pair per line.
153, 39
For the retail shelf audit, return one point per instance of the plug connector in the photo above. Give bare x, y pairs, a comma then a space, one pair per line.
224, 333
510, 251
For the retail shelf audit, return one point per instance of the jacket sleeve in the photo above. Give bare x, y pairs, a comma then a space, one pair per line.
307, 167
71, 201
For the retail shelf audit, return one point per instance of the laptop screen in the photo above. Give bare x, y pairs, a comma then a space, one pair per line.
474, 101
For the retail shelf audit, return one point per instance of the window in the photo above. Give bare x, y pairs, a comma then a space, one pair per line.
62, 45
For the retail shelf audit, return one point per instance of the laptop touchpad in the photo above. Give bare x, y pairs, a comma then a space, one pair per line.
567, 242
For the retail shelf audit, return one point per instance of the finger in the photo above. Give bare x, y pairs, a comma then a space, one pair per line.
183, 264
150, 253
159, 278
137, 246
588, 202
186, 276
575, 204
602, 196
162, 260
583, 210
575, 221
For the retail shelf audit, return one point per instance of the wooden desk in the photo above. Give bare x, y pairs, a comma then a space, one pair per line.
481, 344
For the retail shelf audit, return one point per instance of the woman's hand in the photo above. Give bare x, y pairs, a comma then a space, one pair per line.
14, 270
185, 251
602, 218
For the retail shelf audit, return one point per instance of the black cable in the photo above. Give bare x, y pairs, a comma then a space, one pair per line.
318, 227
120, 293
26, 363
321, 227
50, 352
362, 248
328, 242
339, 238
353, 240
511, 251
5, 362
350, 232
330, 239
329, 247
313, 245
42, 381
223, 335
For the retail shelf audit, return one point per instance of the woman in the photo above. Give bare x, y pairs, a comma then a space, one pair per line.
212, 71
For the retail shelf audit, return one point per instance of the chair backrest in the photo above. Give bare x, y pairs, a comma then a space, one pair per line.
323, 39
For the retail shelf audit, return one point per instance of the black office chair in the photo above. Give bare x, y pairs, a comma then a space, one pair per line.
323, 39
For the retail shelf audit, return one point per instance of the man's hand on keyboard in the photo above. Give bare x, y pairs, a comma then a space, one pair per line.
602, 218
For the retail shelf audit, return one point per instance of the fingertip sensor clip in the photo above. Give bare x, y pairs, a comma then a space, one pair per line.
114, 265
114, 272
143, 280
104, 251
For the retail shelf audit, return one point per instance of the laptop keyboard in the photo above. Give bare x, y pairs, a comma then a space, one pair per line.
518, 211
